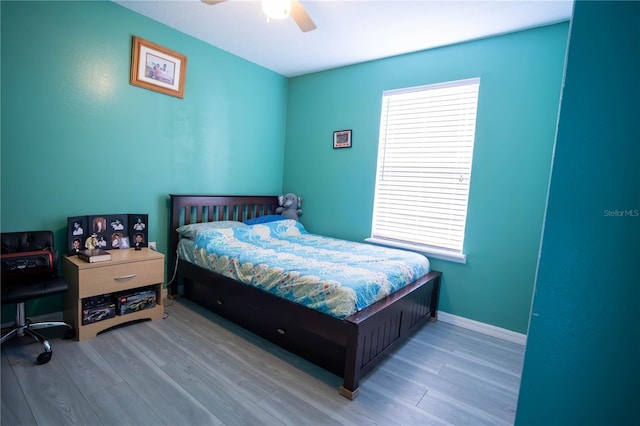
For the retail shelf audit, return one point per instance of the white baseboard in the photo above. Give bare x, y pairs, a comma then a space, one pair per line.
480, 327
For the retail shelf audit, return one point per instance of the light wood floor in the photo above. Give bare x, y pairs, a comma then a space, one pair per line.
194, 368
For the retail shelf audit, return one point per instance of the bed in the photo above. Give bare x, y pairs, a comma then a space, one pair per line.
349, 346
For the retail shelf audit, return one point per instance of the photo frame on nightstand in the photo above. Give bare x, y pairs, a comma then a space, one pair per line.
117, 225
111, 230
77, 233
97, 224
139, 230
117, 222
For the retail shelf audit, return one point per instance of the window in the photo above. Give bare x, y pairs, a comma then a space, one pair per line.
424, 167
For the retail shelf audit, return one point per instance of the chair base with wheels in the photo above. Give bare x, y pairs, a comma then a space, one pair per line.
24, 326
29, 271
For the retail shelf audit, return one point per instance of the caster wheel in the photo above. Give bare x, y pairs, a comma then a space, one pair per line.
44, 357
69, 333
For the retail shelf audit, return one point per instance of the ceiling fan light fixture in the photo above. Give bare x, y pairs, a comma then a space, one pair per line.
276, 9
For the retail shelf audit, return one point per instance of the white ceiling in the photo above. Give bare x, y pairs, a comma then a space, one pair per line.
349, 31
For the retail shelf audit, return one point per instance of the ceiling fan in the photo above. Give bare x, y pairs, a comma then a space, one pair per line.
280, 9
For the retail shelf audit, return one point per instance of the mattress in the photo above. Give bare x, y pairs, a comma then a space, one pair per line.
333, 276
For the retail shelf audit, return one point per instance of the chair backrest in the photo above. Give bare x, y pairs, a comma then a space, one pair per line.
15, 242
31, 244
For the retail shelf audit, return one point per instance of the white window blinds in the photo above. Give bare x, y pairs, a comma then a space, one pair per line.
424, 165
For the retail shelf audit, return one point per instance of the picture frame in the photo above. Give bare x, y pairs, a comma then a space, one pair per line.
342, 139
157, 68
115, 239
138, 230
77, 233
124, 243
97, 224
111, 231
117, 225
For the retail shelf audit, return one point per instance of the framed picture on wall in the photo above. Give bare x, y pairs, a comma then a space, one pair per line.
342, 139
157, 68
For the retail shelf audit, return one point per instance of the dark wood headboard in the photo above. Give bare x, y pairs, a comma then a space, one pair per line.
188, 209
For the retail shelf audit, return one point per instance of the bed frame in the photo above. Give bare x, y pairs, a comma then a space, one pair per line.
349, 348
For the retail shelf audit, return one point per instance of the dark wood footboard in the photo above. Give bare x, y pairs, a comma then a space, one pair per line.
349, 348
384, 325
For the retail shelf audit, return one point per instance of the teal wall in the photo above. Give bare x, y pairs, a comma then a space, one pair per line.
521, 77
78, 139
583, 351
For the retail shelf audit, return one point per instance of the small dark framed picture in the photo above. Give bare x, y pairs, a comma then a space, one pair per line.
342, 139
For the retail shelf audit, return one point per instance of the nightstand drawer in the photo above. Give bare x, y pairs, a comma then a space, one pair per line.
116, 277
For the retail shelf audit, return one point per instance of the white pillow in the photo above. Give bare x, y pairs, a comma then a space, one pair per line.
191, 231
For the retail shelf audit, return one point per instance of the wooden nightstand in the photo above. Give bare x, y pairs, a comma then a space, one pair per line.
127, 270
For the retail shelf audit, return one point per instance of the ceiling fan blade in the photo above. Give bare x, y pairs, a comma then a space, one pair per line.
212, 2
301, 17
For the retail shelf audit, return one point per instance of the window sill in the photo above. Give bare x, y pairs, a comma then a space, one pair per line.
429, 252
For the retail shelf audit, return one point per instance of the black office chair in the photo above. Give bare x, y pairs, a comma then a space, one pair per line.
30, 271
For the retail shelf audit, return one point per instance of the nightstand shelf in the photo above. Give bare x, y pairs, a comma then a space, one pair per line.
127, 270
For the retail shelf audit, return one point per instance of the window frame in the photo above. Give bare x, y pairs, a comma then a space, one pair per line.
455, 250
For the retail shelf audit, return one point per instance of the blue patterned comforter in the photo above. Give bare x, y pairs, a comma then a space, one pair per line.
333, 276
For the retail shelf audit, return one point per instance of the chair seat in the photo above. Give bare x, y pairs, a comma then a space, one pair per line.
18, 292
